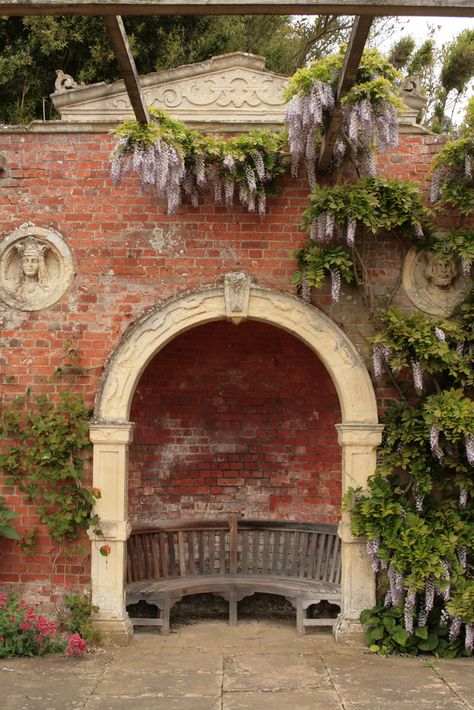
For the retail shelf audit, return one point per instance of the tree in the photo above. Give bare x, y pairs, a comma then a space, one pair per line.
446, 74
32, 48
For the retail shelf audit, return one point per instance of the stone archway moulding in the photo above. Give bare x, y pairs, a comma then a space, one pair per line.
111, 433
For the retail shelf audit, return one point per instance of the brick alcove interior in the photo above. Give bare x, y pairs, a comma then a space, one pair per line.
235, 418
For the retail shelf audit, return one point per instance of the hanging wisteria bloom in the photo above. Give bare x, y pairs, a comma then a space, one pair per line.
367, 127
419, 498
372, 550
468, 165
469, 444
335, 285
440, 334
469, 640
466, 265
434, 442
435, 185
455, 629
395, 578
463, 498
304, 116
305, 289
351, 230
380, 355
417, 376
409, 612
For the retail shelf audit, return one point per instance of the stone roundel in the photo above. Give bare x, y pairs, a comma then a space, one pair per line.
36, 268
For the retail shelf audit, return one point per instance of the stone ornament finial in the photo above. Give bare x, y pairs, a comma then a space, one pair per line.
434, 285
411, 92
35, 268
236, 296
64, 82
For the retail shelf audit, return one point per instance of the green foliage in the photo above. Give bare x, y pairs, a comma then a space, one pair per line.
461, 604
376, 203
453, 180
386, 634
76, 618
316, 263
458, 65
401, 52
43, 457
373, 68
25, 633
6, 527
458, 244
413, 337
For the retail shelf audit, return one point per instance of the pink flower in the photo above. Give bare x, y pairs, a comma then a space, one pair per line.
76, 645
3, 600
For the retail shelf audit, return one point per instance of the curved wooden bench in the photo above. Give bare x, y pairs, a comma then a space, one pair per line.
234, 559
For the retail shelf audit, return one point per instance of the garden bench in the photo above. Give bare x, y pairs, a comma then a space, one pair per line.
234, 559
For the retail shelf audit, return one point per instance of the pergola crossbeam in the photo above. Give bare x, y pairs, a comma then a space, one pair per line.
440, 8
347, 79
126, 63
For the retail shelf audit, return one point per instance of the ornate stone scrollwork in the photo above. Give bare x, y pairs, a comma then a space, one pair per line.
36, 268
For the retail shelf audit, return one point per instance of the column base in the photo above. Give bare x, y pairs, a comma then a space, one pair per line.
349, 631
116, 631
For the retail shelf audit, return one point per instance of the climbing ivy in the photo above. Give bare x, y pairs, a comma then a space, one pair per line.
43, 456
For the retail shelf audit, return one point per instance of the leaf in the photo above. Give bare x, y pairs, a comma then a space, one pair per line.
430, 644
400, 635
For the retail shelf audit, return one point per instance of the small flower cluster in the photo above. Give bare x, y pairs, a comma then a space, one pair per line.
23, 632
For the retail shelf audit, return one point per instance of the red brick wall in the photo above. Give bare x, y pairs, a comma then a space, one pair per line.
129, 255
235, 419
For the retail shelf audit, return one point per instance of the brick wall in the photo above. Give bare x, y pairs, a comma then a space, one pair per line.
129, 255
235, 419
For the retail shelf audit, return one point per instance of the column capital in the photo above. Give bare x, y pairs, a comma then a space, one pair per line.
359, 434
111, 433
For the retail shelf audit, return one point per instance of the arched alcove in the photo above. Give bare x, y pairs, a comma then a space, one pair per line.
239, 420
236, 300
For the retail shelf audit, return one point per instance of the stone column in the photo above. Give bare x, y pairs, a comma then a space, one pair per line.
110, 465
358, 442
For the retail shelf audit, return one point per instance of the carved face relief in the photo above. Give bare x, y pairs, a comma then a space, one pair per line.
35, 268
433, 285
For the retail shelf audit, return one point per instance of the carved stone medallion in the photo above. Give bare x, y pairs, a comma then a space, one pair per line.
432, 284
36, 268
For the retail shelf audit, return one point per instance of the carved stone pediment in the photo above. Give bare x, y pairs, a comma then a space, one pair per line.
230, 90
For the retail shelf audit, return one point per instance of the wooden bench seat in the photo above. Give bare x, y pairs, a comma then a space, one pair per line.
233, 560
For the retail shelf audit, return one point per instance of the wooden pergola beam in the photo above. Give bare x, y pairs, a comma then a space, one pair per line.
440, 8
126, 63
347, 79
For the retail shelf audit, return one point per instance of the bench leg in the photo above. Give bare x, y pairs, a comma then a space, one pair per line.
233, 609
165, 615
300, 617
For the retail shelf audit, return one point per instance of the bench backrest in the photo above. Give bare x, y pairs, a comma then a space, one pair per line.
244, 547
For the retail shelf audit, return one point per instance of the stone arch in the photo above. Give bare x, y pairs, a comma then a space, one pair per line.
111, 432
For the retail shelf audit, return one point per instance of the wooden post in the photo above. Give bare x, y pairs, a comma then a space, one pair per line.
128, 70
347, 79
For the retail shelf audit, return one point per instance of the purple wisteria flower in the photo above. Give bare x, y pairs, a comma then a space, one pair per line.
469, 640
380, 355
455, 629
372, 550
434, 442
395, 578
469, 445
410, 602
335, 285
417, 376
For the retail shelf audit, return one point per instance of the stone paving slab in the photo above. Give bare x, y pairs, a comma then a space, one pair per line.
255, 666
318, 699
271, 671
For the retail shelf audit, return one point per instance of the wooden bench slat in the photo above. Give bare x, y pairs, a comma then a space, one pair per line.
181, 553
191, 563
298, 561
